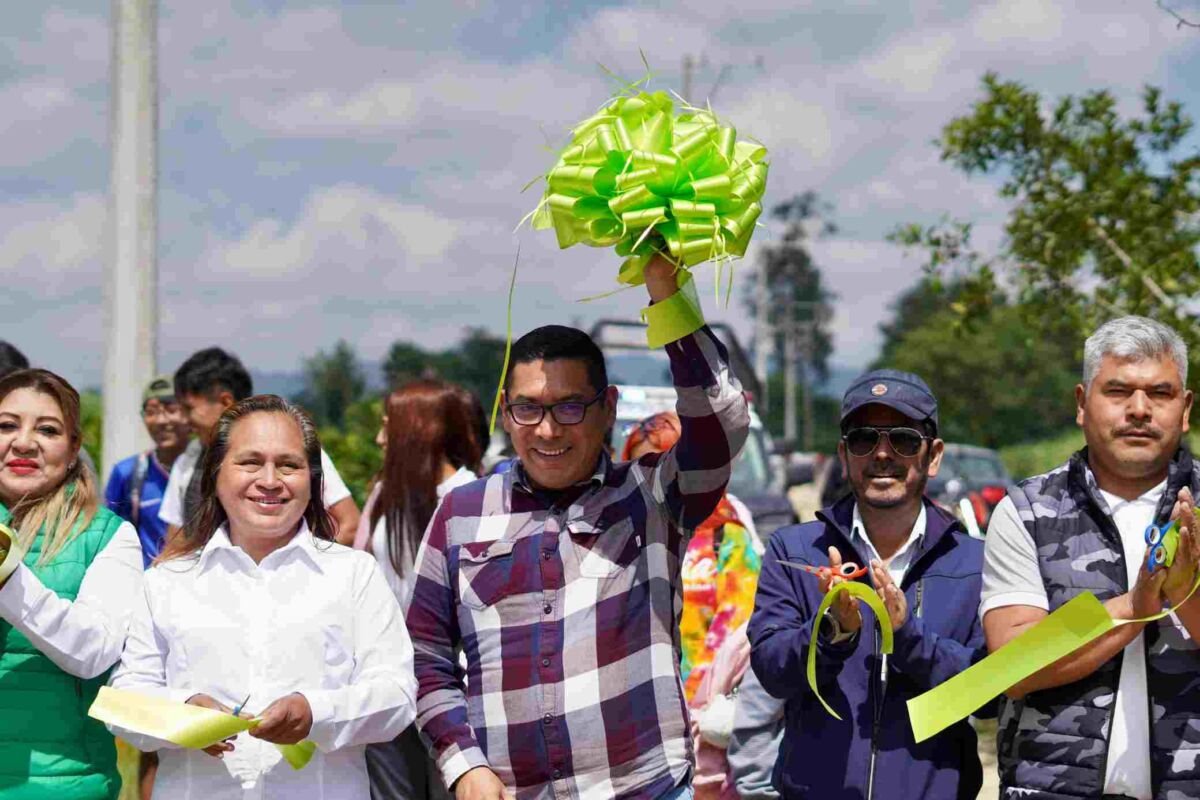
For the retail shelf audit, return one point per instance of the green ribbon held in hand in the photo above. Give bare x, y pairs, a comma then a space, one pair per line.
868, 596
638, 177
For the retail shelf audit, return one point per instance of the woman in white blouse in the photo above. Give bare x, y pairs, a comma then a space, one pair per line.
431, 445
254, 598
65, 607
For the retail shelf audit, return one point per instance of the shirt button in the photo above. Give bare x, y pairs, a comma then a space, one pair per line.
557, 774
546, 663
548, 719
548, 608
546, 555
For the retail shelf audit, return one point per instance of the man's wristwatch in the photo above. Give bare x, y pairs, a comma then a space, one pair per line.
831, 630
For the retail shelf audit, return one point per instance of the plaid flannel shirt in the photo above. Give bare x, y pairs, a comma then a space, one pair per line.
567, 605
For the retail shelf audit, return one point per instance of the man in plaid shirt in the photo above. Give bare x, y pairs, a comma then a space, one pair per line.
560, 581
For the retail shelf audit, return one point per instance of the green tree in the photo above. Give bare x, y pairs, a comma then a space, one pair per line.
1105, 216
476, 363
407, 362
998, 380
333, 382
92, 422
352, 446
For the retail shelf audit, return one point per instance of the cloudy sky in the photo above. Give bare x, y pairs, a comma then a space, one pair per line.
354, 170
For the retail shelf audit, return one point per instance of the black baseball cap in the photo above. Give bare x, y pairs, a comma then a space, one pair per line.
903, 391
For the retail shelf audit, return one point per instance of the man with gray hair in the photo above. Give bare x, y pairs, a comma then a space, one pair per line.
1119, 717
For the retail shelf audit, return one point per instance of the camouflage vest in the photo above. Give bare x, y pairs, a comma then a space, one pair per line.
1054, 743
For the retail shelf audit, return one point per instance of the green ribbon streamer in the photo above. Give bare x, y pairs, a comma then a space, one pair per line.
1071, 626
512, 285
869, 596
639, 177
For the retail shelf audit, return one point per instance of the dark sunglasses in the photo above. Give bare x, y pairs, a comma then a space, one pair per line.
568, 412
903, 441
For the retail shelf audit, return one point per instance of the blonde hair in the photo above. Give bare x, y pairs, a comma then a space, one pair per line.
63, 513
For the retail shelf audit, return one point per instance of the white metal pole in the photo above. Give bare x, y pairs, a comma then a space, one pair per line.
131, 284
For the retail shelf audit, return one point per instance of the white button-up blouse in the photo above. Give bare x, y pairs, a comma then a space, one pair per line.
314, 617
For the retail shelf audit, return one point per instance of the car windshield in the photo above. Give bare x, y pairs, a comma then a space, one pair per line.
974, 468
751, 472
638, 368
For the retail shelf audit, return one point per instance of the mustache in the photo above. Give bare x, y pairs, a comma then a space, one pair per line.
887, 473
1141, 430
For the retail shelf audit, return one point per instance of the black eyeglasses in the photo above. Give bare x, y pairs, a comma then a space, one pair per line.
568, 412
903, 441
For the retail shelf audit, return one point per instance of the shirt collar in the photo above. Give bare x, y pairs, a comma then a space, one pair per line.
1150, 497
303, 542
858, 533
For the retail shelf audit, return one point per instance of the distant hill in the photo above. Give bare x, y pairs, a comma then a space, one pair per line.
290, 384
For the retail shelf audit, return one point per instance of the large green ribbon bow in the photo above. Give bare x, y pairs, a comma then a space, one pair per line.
642, 179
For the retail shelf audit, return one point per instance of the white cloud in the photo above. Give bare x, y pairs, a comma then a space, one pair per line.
1019, 22
53, 243
913, 65
345, 228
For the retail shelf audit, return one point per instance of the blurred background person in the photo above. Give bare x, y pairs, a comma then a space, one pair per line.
64, 611
136, 486
720, 567
430, 438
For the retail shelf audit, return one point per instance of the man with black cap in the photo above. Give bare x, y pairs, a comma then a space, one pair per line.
926, 571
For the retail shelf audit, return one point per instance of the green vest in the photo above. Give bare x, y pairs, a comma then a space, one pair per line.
49, 747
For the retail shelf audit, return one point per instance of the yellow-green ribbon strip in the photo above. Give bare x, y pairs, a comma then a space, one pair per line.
1070, 627
869, 596
181, 724
11, 553
639, 177
674, 318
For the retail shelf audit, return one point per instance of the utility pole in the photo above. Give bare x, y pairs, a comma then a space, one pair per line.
689, 64
131, 283
764, 339
799, 342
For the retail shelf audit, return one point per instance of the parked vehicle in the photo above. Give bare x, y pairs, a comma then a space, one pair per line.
643, 377
975, 473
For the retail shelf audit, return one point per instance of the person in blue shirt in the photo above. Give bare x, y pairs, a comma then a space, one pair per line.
135, 487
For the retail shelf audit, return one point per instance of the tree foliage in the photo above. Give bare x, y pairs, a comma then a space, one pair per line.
333, 381
998, 379
474, 363
1105, 215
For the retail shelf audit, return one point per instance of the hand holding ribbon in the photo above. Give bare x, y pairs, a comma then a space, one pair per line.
1181, 573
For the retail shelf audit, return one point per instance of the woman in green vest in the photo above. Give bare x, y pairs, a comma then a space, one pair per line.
69, 579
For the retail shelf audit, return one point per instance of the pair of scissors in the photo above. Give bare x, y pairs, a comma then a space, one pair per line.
238, 708
1164, 542
847, 572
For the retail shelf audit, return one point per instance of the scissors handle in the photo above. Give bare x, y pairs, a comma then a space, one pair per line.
1163, 542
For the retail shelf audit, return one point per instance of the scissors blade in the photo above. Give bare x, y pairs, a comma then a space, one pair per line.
238, 708
800, 565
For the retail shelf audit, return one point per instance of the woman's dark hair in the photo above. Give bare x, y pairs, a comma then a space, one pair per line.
210, 515
428, 422
11, 359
